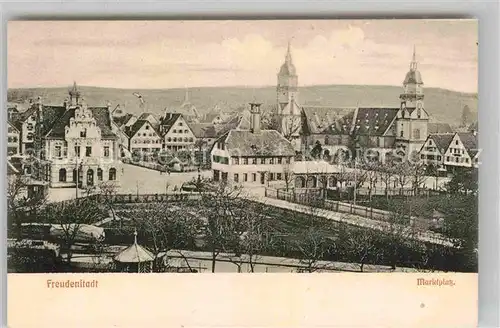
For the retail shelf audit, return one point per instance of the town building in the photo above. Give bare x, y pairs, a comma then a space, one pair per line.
144, 138
80, 145
252, 156
13, 138
449, 151
177, 135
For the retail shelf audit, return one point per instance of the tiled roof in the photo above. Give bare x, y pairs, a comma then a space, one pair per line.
134, 254
169, 120
442, 140
120, 120
469, 140
16, 124
264, 143
138, 125
203, 130
51, 114
100, 114
374, 121
319, 120
439, 128
413, 76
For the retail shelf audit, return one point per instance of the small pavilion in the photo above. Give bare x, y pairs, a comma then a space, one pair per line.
134, 258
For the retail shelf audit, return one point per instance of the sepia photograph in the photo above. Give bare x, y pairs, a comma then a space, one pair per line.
243, 146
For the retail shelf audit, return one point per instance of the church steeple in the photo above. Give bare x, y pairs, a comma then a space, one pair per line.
413, 93
287, 80
74, 94
413, 64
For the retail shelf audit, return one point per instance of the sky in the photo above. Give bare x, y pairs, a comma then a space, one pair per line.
178, 54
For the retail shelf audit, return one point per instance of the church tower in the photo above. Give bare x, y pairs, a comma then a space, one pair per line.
412, 119
287, 94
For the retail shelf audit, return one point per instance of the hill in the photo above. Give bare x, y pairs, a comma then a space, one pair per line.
443, 105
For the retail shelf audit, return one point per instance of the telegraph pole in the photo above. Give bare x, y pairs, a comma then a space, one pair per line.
354, 199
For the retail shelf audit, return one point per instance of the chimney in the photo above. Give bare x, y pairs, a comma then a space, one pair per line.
255, 117
110, 114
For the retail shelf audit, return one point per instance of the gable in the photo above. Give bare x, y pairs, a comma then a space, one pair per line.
143, 129
180, 128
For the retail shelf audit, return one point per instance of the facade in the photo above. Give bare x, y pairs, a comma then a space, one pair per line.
177, 135
252, 156
13, 139
144, 138
81, 146
451, 150
383, 130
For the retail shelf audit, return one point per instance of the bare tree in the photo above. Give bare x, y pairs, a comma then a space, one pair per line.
288, 177
220, 208
71, 216
371, 171
359, 244
402, 174
288, 126
417, 169
313, 246
107, 194
386, 174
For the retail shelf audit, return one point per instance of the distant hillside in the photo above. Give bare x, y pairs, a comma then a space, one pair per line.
442, 105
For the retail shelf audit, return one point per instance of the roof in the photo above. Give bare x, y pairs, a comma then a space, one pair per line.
374, 121
439, 128
169, 120
15, 124
100, 114
135, 253
138, 125
265, 143
301, 167
469, 140
203, 130
413, 76
11, 169
319, 119
120, 120
442, 140
287, 69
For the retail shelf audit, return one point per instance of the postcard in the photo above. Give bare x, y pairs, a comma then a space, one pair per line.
160, 172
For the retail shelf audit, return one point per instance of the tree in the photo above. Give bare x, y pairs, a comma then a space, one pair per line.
402, 175
386, 174
317, 150
417, 170
107, 194
221, 207
313, 246
70, 216
20, 204
359, 244
166, 230
289, 126
463, 181
248, 237
371, 169
288, 177
466, 116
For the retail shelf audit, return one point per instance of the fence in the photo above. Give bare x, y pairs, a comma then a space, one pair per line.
316, 199
141, 198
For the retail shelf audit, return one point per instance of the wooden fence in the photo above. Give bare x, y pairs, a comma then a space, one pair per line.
315, 198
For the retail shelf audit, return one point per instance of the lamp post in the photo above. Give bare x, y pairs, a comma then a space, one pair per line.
354, 196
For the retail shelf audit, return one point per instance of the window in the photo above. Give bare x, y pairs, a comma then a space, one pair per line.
245, 177
262, 161
456, 159
245, 161
279, 161
180, 123
185, 139
106, 151
288, 160
88, 151
169, 139
175, 139
99, 174
254, 176
271, 160
466, 160
77, 151
174, 131
271, 177
236, 177
147, 127
191, 139
254, 160
186, 131
402, 133
57, 151
112, 174
419, 113
62, 175
29, 136
236, 161
416, 133
456, 142
278, 176
29, 126
83, 133
439, 157
447, 158
422, 156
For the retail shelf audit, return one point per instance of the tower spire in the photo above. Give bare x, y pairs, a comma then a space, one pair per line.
413, 64
135, 236
289, 52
